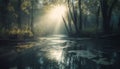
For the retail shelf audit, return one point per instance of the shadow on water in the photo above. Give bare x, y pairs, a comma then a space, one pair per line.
62, 52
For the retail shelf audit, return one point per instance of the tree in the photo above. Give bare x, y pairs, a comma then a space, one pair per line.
4, 13
75, 16
106, 9
19, 13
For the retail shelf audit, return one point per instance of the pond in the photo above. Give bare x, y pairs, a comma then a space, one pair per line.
61, 52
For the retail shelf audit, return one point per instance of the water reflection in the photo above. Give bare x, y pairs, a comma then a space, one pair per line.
55, 54
63, 53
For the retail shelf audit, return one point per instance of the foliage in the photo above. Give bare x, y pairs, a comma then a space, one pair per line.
14, 17
26, 6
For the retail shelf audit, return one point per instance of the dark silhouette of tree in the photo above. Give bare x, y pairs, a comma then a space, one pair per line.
119, 24
106, 10
4, 13
74, 17
80, 16
97, 19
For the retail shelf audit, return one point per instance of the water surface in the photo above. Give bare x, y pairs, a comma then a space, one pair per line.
61, 52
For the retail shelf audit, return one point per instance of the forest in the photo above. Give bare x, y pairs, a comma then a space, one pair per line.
59, 34
93, 18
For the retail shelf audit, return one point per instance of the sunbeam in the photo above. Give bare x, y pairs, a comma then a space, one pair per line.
55, 14
51, 21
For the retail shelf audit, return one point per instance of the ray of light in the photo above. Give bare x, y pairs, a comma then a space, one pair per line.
51, 20
56, 14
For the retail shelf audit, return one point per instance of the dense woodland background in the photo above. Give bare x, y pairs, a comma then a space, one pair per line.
84, 18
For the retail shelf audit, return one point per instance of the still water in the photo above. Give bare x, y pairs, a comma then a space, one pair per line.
61, 52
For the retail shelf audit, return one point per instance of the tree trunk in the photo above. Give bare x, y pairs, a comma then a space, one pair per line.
80, 16
66, 26
97, 19
106, 14
73, 15
104, 9
119, 25
70, 23
85, 22
32, 18
19, 14
4, 13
